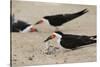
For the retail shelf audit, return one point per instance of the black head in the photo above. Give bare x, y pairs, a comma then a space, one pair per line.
59, 32
46, 17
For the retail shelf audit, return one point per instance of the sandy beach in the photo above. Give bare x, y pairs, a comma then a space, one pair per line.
29, 48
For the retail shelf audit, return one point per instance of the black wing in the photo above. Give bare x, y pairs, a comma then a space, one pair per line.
74, 41
56, 20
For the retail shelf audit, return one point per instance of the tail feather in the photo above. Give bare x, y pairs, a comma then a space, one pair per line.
82, 12
75, 15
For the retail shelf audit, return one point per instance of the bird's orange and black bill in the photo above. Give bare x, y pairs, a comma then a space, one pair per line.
34, 30
49, 38
39, 22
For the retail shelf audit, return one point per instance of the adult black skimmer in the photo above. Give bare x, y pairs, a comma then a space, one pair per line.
20, 26
60, 19
70, 41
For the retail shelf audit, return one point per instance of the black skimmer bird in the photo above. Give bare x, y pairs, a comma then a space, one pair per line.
20, 26
60, 19
70, 41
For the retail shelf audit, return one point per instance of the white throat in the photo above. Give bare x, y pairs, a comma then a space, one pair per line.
45, 20
58, 39
58, 36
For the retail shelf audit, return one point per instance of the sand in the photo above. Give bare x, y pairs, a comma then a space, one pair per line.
29, 48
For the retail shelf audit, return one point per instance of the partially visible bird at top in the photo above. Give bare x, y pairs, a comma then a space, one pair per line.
20, 26
60, 19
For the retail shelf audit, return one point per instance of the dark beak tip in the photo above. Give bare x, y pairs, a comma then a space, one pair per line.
44, 41
47, 39
35, 23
